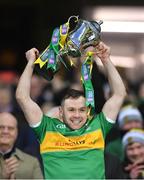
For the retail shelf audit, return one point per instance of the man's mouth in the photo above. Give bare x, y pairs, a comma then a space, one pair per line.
76, 122
4, 136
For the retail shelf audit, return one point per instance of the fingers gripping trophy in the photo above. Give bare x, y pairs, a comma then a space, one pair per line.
67, 44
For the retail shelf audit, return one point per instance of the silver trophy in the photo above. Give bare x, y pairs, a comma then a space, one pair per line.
84, 34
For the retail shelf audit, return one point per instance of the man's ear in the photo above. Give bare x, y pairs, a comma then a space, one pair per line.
60, 113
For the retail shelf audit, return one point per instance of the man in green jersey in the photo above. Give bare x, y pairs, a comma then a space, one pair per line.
72, 147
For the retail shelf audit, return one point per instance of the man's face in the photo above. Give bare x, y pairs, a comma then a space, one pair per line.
8, 130
74, 112
135, 151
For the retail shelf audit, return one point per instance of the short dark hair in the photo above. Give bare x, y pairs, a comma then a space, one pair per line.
72, 93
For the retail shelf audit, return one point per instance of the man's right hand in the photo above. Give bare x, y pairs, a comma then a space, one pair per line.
136, 172
9, 167
32, 54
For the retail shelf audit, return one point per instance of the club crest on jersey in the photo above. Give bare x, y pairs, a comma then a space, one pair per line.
60, 126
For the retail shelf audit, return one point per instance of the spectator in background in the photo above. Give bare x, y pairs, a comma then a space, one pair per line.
15, 164
133, 144
26, 140
129, 118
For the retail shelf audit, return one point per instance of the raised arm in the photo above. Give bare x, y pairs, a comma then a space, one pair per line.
113, 104
31, 110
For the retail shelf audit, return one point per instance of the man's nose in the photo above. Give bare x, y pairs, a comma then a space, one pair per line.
136, 152
5, 129
77, 114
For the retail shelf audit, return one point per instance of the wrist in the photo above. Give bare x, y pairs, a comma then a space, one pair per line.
105, 60
31, 63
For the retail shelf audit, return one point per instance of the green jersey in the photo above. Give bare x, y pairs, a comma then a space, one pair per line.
73, 154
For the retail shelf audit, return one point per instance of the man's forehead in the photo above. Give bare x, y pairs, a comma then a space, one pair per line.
72, 101
7, 120
135, 144
131, 121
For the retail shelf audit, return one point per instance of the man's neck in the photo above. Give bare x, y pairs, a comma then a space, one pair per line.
5, 149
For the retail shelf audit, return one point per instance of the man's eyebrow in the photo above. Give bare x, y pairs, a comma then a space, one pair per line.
7, 126
84, 107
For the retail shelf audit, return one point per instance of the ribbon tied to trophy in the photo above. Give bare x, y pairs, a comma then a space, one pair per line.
71, 43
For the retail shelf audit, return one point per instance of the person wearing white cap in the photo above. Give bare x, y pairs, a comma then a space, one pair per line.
133, 144
129, 117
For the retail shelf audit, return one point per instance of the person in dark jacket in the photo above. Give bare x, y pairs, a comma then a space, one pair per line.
113, 167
